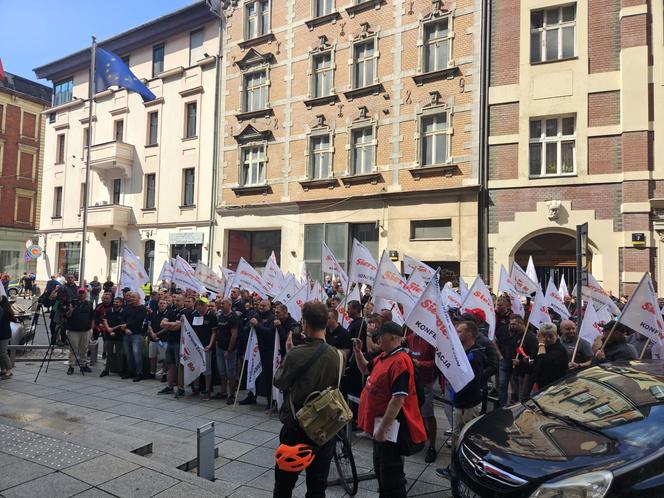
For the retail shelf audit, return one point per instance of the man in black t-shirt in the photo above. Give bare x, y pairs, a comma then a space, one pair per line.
227, 337
204, 322
157, 336
80, 322
286, 325
134, 318
336, 335
112, 320
172, 326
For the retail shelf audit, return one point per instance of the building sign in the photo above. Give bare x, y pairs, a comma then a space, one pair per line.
185, 238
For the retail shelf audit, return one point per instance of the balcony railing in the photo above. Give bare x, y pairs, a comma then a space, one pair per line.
109, 216
112, 156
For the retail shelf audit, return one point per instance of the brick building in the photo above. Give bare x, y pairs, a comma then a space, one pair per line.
350, 119
21, 140
572, 96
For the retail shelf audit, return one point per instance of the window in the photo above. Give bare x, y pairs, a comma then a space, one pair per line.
118, 130
191, 253
157, 59
434, 131
323, 7
69, 258
153, 128
552, 33
190, 120
150, 190
364, 63
60, 149
431, 229
57, 202
254, 246
195, 46
188, 180
86, 140
320, 157
253, 166
552, 146
322, 75
117, 190
255, 91
602, 410
148, 258
114, 254
257, 19
436, 45
582, 398
63, 92
82, 198
362, 150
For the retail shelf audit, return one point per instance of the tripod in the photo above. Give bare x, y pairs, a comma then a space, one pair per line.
48, 356
32, 331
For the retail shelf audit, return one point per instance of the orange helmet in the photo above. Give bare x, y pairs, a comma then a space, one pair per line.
294, 458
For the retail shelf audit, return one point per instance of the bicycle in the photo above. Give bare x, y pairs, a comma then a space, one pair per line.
345, 463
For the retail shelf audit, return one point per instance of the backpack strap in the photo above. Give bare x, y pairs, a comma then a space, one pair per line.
341, 367
303, 369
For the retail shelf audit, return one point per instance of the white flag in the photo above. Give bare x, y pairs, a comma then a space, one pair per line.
295, 303
363, 266
505, 283
430, 321
229, 280
591, 326
304, 272
562, 288
479, 297
413, 265
516, 306
289, 288
451, 298
523, 283
390, 284
603, 314
554, 301
132, 273
253, 358
2, 290
463, 288
331, 266
277, 394
209, 278
192, 356
353, 295
530, 270
539, 313
273, 276
246, 277
166, 273
600, 296
184, 276
641, 313
416, 284
316, 292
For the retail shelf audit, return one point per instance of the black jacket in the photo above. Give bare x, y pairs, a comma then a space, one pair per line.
490, 353
471, 394
81, 317
550, 366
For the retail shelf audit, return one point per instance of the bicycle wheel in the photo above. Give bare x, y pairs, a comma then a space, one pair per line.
345, 463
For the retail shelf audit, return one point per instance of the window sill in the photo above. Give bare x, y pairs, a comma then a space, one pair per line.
374, 89
148, 146
329, 183
441, 74
266, 38
262, 113
447, 170
320, 20
189, 139
187, 207
361, 7
547, 177
54, 218
317, 101
252, 190
59, 164
150, 210
372, 178
553, 61
445, 239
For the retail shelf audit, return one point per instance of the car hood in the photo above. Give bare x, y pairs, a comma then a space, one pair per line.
535, 446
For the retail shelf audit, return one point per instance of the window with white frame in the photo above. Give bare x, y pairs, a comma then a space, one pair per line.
188, 186
196, 46
552, 33
255, 91
434, 136
437, 45
362, 150
320, 157
257, 18
552, 146
253, 165
322, 7
364, 63
322, 73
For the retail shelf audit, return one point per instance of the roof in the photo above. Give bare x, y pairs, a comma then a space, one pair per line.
149, 33
19, 85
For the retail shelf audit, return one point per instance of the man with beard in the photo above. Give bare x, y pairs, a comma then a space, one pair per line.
262, 321
286, 325
616, 348
336, 335
113, 337
568, 338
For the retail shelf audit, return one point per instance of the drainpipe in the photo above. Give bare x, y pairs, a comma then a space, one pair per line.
483, 173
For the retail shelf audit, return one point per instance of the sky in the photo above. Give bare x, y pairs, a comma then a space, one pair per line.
33, 33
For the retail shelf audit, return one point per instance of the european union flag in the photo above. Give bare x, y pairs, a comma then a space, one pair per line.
111, 70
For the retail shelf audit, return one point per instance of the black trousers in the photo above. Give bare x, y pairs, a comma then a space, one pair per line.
317, 472
388, 466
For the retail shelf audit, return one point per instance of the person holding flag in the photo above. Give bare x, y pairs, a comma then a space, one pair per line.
579, 356
262, 321
205, 325
616, 348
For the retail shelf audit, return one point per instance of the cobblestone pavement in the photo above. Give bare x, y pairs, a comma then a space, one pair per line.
74, 436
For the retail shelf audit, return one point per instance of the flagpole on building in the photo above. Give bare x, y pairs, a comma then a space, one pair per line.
86, 185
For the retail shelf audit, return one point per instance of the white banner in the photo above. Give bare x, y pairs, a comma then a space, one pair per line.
554, 301
229, 280
304, 272
523, 283
413, 265
416, 284
530, 270
603, 314
192, 356
562, 288
331, 266
451, 298
209, 278
363, 266
463, 288
316, 293
390, 284
184, 276
253, 358
641, 313
277, 394
505, 283
539, 313
353, 295
600, 296
289, 288
132, 273
246, 277
273, 276
295, 303
166, 273
480, 297
516, 306
430, 321
591, 326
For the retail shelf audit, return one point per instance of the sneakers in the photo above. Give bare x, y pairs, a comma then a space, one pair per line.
444, 473
431, 455
206, 396
249, 400
164, 378
86, 369
70, 371
230, 400
179, 393
103, 373
166, 390
138, 379
160, 372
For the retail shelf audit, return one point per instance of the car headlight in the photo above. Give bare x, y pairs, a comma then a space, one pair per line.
590, 485
465, 428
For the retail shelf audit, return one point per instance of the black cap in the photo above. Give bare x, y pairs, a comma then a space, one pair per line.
619, 327
390, 328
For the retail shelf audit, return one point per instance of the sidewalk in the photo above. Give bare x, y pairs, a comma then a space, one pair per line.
75, 435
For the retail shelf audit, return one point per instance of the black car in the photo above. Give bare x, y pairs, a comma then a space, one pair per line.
596, 433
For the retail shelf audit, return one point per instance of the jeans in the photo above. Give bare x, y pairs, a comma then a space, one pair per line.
388, 466
133, 345
504, 375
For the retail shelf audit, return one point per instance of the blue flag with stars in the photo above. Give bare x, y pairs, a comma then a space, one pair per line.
111, 70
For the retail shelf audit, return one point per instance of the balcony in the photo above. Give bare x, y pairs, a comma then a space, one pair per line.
109, 217
112, 156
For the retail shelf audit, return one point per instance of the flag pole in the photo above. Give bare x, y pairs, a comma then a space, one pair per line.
643, 351
86, 185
